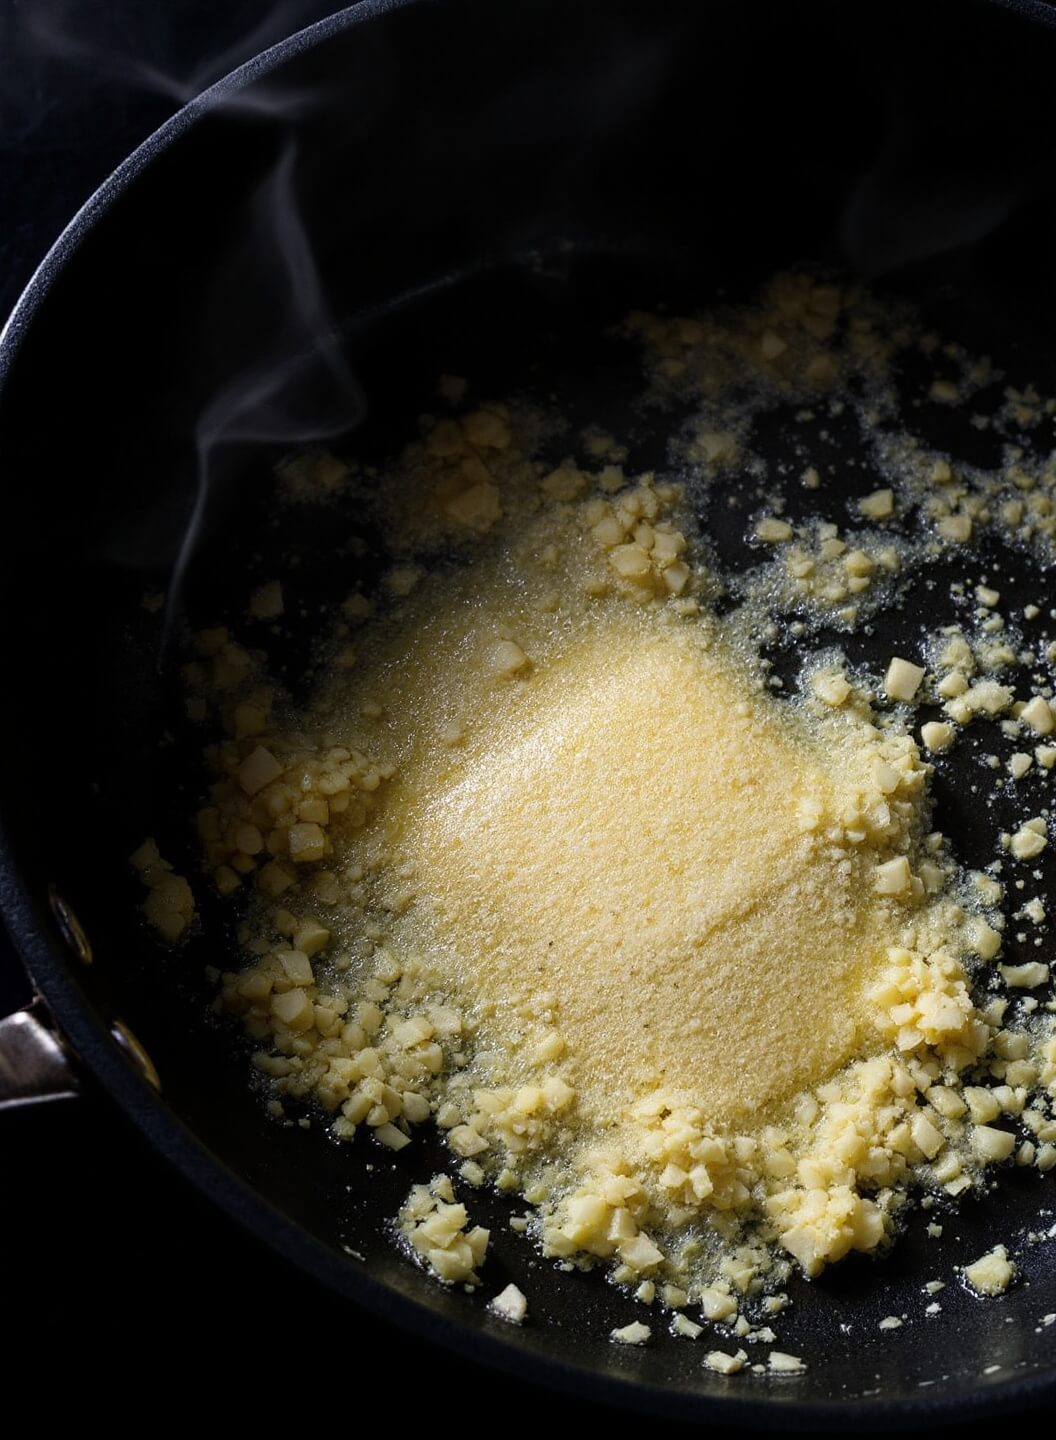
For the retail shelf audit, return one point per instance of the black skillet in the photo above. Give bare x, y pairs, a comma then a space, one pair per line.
484, 189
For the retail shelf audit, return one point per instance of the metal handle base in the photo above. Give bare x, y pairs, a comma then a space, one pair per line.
34, 1065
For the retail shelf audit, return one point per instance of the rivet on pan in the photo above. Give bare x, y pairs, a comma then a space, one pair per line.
70, 926
127, 1042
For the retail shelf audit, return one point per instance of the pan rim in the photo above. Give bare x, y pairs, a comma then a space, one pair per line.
30, 925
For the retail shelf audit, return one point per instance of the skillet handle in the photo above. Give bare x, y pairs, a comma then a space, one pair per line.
34, 1064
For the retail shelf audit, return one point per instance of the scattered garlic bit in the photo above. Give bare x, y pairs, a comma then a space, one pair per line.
830, 686
992, 1145
880, 505
936, 735
313, 478
718, 1303
402, 579
902, 680
1038, 714
893, 877
945, 392
828, 573
781, 1364
272, 813
487, 429
642, 547
957, 529
508, 659
1025, 977
266, 602
633, 1334
472, 1173
773, 532
985, 697
510, 1305
169, 905
992, 1273
689, 1329
723, 1363
434, 1224
391, 1137
258, 769
891, 1322
1030, 839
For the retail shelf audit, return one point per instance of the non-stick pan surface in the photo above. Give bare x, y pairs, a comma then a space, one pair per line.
483, 190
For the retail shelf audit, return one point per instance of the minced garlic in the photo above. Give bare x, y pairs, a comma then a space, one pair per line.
780, 1363
510, 1305
633, 1334
547, 863
1030, 839
724, 1363
169, 905
992, 1273
435, 1226
902, 680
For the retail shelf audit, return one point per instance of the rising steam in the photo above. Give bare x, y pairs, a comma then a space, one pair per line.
51, 29
284, 380
301, 390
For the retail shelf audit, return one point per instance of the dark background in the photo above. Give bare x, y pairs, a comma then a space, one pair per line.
110, 1260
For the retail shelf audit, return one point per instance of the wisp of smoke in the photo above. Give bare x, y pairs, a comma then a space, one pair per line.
52, 29
302, 390
285, 380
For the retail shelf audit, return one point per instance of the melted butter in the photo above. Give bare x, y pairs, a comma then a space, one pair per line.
626, 835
